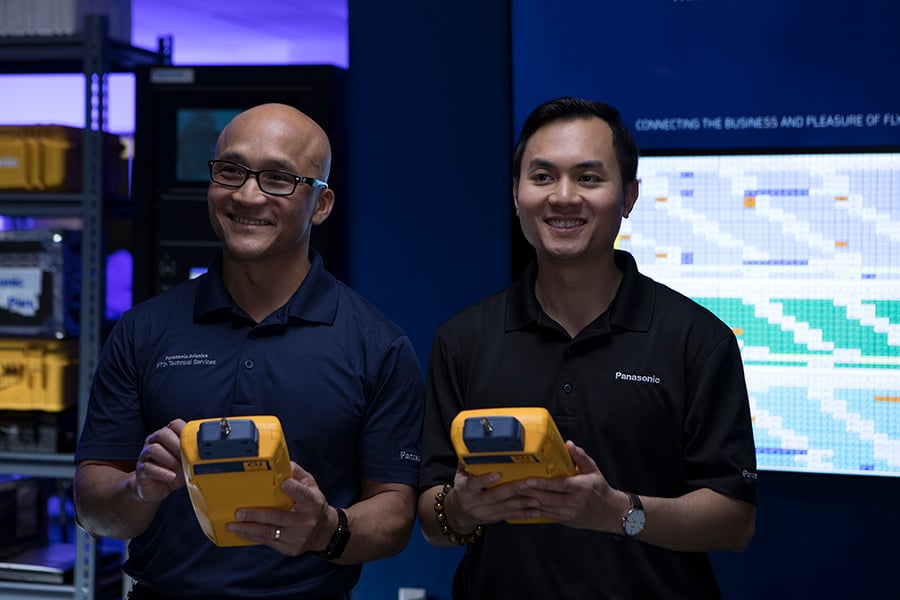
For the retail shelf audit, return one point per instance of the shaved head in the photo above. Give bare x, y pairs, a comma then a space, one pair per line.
284, 127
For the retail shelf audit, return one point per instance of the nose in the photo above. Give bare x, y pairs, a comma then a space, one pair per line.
250, 190
565, 192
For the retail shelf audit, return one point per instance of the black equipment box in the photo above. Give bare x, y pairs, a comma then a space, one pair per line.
38, 432
40, 283
23, 514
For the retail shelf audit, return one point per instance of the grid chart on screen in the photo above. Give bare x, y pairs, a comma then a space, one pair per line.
800, 255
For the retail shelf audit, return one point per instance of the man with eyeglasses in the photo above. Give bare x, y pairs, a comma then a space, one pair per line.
266, 331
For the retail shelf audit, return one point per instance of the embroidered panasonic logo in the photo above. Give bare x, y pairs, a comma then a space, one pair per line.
637, 378
410, 456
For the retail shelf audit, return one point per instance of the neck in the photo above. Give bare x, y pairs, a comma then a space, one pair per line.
262, 287
574, 295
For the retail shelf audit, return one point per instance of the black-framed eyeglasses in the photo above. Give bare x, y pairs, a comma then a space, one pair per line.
270, 181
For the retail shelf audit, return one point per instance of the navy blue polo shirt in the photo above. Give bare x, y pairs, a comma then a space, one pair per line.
341, 377
653, 390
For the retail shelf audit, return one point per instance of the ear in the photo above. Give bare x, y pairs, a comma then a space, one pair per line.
324, 204
515, 195
631, 195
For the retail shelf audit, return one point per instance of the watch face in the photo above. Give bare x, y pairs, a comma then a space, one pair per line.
634, 521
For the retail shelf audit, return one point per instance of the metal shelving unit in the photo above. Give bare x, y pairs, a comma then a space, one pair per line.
94, 55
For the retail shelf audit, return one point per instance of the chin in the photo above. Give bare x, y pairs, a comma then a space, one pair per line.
244, 252
564, 254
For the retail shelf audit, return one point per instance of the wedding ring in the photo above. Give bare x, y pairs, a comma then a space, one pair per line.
277, 534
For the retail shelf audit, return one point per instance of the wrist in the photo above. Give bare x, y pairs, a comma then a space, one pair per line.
325, 528
455, 519
131, 485
337, 535
634, 518
455, 532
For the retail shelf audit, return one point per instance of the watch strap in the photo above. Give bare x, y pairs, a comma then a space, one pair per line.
635, 501
339, 538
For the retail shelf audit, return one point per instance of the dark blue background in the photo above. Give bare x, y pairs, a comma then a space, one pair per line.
717, 58
431, 135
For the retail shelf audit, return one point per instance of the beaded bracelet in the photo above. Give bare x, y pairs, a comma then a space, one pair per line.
453, 536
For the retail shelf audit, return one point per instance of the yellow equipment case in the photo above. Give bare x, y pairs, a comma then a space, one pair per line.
230, 463
47, 158
517, 442
38, 374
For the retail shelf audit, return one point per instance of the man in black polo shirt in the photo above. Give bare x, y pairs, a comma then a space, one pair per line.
646, 385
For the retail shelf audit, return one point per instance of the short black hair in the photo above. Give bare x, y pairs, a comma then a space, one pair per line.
567, 109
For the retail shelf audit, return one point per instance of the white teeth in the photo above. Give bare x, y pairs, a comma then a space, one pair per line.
243, 221
564, 224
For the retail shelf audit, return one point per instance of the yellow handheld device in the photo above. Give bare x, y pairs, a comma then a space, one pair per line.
230, 463
518, 443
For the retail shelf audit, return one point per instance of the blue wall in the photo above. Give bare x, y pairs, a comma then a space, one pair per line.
431, 140
430, 144
818, 536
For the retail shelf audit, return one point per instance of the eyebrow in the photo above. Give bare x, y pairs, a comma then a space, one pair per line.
587, 164
276, 165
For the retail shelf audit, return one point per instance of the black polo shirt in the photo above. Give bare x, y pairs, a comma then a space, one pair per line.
653, 390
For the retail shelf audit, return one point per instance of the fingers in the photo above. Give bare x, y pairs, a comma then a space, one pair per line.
475, 484
476, 502
303, 476
158, 470
577, 501
584, 464
279, 537
288, 531
168, 438
176, 426
302, 487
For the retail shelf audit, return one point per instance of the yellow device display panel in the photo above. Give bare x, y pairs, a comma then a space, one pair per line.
517, 442
231, 463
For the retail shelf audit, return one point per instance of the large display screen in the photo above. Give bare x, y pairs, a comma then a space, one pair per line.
770, 191
800, 255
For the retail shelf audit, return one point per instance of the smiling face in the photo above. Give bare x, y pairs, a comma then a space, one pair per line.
255, 226
569, 194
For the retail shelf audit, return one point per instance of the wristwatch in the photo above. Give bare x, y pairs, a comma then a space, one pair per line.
634, 520
339, 539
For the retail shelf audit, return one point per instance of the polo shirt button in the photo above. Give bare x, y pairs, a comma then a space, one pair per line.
567, 388
248, 364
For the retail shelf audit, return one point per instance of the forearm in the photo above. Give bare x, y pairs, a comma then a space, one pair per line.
106, 503
380, 524
701, 521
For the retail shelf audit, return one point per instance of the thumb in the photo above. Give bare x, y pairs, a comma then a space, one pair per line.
583, 463
302, 475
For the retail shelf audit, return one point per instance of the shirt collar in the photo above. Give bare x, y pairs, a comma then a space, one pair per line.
632, 307
315, 301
